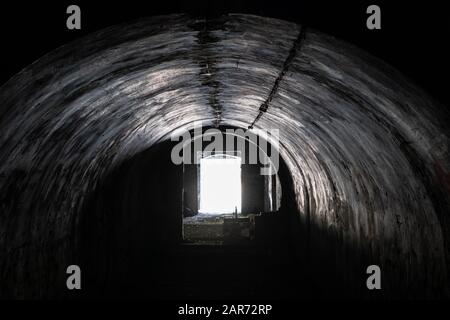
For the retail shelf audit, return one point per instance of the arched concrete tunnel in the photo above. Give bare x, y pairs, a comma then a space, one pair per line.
85, 134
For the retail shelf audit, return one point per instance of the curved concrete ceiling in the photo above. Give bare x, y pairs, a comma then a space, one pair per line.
366, 148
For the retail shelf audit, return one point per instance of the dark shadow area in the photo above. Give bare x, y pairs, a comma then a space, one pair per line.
132, 246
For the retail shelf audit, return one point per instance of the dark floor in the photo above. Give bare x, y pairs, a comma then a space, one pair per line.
227, 272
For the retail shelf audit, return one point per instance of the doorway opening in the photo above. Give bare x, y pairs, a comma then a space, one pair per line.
220, 184
225, 191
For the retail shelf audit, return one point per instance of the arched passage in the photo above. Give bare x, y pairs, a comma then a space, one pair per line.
367, 151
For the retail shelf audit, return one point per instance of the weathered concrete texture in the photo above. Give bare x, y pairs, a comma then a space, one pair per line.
367, 150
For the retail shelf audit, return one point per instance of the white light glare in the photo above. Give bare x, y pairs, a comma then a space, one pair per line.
220, 185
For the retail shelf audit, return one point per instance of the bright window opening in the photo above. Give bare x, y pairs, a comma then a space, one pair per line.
220, 184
